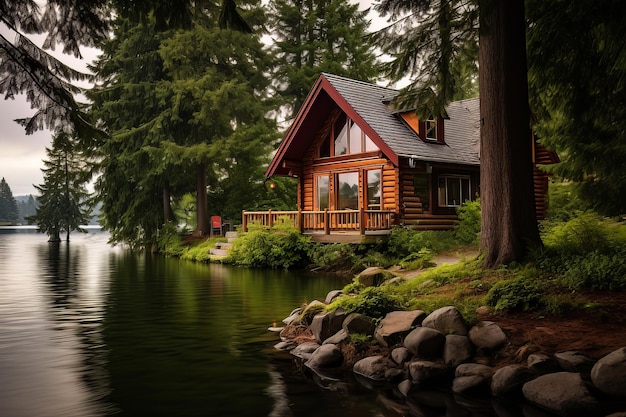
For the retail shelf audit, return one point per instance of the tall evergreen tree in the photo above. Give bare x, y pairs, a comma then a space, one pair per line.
440, 31
8, 205
434, 43
64, 201
27, 208
314, 36
171, 110
577, 77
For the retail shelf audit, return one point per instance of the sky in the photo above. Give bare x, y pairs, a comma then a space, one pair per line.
21, 155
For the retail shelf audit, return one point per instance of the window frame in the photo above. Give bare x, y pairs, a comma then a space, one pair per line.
460, 178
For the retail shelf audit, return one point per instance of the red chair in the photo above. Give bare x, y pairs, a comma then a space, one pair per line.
217, 225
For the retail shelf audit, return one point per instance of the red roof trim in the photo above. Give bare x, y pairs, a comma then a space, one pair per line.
322, 83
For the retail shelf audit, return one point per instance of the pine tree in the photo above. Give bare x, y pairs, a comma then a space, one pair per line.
431, 39
314, 36
171, 111
8, 205
434, 43
27, 208
577, 77
64, 201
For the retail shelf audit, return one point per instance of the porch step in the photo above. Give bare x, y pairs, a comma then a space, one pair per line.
221, 248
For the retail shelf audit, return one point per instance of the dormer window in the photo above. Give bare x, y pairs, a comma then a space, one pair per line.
430, 126
429, 130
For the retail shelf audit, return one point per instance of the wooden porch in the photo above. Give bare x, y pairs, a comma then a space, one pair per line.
330, 226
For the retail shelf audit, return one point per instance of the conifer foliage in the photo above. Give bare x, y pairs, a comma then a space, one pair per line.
8, 205
64, 200
314, 36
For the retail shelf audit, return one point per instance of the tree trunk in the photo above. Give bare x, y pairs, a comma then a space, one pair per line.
202, 217
168, 214
509, 223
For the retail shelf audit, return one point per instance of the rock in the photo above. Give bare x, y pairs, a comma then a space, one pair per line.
373, 367
482, 310
396, 325
447, 320
541, 364
285, 345
618, 414
337, 338
293, 317
394, 374
473, 369
563, 393
425, 342
325, 356
509, 379
332, 295
304, 350
374, 276
405, 387
463, 384
609, 373
457, 350
427, 371
311, 310
487, 335
356, 323
400, 355
572, 361
325, 325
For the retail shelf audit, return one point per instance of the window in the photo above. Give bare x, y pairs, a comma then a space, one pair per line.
348, 191
431, 128
373, 177
348, 138
454, 190
321, 192
341, 138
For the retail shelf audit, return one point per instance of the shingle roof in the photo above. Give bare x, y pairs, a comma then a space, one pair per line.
461, 129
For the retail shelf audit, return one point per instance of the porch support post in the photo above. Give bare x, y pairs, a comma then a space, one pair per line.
326, 222
244, 221
362, 220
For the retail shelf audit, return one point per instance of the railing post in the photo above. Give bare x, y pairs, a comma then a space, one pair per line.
300, 221
362, 220
244, 221
270, 218
326, 222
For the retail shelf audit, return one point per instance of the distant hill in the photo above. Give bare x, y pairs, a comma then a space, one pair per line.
26, 208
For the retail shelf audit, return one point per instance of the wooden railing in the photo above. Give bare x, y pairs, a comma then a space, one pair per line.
324, 220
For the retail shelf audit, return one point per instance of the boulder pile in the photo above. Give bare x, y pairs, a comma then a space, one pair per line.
422, 351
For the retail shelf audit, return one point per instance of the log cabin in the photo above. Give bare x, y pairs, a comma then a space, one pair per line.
363, 166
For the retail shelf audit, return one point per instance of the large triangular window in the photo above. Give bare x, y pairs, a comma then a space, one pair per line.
345, 137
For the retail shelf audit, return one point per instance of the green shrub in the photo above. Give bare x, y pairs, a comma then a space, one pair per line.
520, 293
169, 242
582, 234
332, 256
281, 246
372, 301
418, 260
403, 241
597, 271
467, 230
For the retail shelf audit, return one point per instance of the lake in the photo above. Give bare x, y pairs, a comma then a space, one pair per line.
87, 329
